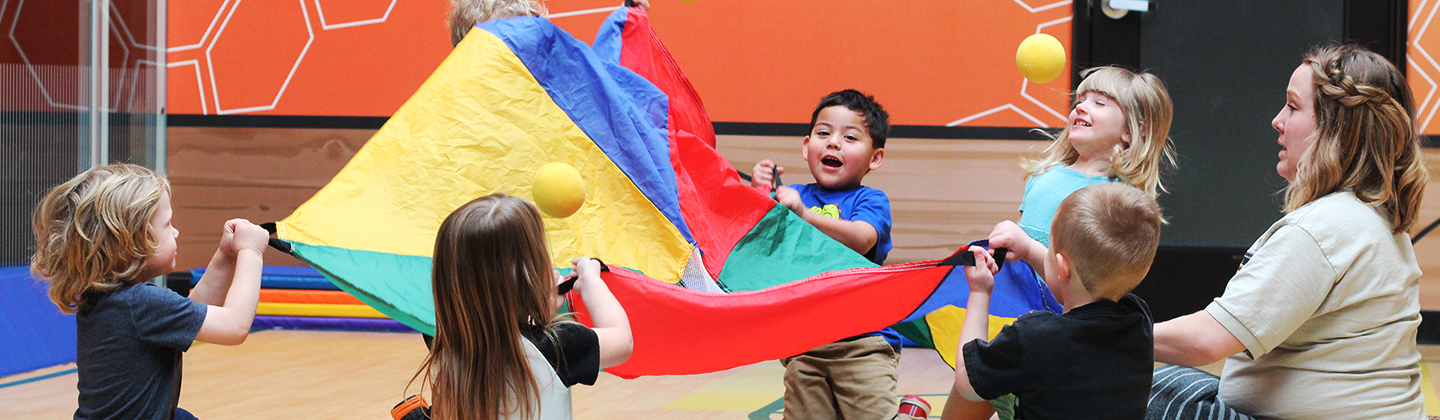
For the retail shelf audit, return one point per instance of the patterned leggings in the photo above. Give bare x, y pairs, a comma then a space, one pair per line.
1187, 393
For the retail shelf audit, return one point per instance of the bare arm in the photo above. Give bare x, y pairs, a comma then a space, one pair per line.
1008, 235
977, 319
211, 288
612, 325
1194, 340
229, 323
857, 235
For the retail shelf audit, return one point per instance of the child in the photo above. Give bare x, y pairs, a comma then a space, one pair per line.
465, 14
1117, 132
1094, 361
98, 238
500, 350
857, 375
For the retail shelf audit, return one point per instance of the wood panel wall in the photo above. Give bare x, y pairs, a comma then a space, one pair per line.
943, 193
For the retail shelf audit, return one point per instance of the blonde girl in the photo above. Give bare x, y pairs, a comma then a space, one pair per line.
1117, 132
1320, 321
99, 238
500, 351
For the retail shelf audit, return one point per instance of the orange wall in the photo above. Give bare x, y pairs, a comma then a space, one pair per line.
930, 62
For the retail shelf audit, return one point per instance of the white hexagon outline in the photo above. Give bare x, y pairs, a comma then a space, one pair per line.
30, 67
135, 82
327, 26
1414, 41
1025, 83
115, 17
581, 12
210, 63
199, 81
124, 68
206, 35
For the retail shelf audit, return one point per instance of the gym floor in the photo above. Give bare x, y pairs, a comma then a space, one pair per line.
318, 374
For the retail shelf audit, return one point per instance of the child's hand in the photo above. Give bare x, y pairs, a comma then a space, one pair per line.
227, 238
246, 235
1008, 235
982, 275
790, 198
587, 269
762, 176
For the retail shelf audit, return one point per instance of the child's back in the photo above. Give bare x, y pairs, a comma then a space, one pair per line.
1095, 360
128, 351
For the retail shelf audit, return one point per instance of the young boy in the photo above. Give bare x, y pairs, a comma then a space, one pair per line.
1094, 361
853, 378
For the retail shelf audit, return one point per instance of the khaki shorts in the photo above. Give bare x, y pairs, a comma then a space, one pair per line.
852, 379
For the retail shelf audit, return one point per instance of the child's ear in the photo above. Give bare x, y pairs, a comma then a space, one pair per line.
1063, 268
805, 148
876, 158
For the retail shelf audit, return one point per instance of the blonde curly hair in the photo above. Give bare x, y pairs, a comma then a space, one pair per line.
93, 234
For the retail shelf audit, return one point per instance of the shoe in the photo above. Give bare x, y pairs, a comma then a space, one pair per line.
413, 408
914, 406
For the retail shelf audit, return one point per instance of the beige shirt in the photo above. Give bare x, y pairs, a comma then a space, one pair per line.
1327, 304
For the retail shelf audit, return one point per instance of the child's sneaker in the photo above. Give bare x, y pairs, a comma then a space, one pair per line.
413, 408
914, 406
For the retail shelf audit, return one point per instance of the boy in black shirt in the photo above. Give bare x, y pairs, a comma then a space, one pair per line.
1094, 361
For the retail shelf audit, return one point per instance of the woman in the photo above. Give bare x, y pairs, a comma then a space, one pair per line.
1320, 320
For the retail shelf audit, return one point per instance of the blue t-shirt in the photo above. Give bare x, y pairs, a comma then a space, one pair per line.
860, 203
128, 347
1043, 194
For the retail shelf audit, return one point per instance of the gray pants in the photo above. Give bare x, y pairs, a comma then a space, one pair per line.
1187, 393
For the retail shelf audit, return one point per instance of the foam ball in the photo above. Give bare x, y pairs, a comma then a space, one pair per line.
559, 190
1040, 58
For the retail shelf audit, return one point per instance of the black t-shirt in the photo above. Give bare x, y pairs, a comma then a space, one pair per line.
577, 357
128, 346
1094, 362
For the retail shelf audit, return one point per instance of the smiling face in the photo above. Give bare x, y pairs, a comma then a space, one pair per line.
839, 149
163, 260
1097, 124
1296, 122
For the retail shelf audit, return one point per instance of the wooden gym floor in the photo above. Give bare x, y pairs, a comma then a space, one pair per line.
316, 374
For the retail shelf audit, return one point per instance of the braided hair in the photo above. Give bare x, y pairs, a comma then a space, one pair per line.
1365, 136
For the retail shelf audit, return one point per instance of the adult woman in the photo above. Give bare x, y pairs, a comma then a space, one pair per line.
1320, 320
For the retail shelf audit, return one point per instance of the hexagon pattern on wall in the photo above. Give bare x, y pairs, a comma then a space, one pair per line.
242, 78
51, 64
336, 14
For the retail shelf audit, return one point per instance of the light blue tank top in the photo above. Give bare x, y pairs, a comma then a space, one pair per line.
1043, 194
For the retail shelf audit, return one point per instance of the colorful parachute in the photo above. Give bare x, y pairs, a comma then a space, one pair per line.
729, 276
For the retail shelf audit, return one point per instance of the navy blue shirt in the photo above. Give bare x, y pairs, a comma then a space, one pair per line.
128, 347
860, 203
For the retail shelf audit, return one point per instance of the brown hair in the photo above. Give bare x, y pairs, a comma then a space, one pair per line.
93, 234
1148, 112
491, 275
1365, 137
1109, 232
465, 14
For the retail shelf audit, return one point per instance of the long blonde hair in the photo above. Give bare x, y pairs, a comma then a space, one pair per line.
465, 14
491, 275
1148, 113
93, 234
1365, 137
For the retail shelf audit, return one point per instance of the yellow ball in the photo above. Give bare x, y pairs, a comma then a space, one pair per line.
1041, 58
559, 190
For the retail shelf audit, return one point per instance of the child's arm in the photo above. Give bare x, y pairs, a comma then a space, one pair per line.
854, 234
977, 319
1008, 235
213, 286
612, 326
229, 323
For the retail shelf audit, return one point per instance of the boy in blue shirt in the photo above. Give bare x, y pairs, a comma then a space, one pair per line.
855, 377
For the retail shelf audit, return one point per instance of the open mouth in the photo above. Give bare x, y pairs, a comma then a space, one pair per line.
1081, 123
830, 162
